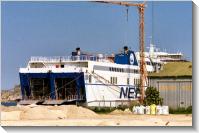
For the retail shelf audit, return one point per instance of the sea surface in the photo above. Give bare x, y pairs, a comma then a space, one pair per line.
11, 103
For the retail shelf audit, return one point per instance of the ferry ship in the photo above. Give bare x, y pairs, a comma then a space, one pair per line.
155, 59
92, 80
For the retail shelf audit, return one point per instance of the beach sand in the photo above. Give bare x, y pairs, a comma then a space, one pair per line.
71, 115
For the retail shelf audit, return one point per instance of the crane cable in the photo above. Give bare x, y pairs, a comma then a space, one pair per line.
152, 15
126, 26
127, 13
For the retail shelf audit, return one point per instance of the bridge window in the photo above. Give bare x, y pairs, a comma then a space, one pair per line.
114, 69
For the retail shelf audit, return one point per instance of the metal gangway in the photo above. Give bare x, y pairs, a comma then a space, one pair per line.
105, 81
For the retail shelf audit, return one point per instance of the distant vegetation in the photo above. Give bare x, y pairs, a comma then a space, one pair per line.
106, 110
102, 110
181, 110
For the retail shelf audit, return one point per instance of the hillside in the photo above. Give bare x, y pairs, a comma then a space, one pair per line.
174, 69
10, 95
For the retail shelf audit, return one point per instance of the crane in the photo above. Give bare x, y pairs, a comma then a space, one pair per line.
143, 72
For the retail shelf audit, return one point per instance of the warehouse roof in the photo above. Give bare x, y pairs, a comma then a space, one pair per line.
174, 69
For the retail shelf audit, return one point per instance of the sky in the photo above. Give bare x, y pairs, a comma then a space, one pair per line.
57, 28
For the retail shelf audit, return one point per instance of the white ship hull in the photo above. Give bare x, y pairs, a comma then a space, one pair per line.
93, 81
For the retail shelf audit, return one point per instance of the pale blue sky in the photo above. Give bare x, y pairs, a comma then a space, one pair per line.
57, 28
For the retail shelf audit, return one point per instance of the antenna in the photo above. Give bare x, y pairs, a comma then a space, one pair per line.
152, 17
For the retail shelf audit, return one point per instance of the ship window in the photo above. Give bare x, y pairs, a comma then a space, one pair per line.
57, 66
90, 79
113, 69
113, 80
62, 66
135, 71
148, 63
127, 81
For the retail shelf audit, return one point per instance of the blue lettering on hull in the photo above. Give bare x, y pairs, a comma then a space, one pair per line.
128, 92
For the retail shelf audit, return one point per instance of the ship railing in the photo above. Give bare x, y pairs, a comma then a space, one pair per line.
67, 58
69, 98
74, 97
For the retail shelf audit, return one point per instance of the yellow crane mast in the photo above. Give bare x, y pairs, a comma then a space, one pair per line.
143, 72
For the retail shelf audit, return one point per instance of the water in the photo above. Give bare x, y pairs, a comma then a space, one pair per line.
9, 103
